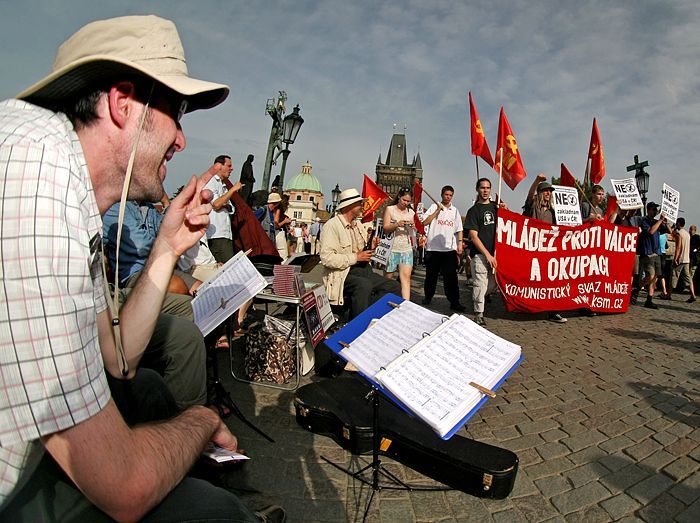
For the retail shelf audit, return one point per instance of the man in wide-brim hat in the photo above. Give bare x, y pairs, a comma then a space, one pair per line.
106, 119
345, 256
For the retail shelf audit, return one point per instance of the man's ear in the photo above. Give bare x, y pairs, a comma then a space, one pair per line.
120, 101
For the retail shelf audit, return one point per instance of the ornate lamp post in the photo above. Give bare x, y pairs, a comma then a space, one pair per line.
336, 197
641, 177
290, 129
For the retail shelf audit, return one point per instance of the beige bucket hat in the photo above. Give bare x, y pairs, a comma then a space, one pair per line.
274, 197
146, 45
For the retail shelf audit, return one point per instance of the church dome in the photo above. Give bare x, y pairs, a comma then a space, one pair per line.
305, 181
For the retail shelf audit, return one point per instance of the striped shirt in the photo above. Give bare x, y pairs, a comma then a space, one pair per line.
51, 369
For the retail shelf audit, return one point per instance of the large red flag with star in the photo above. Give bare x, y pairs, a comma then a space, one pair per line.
507, 150
375, 197
479, 146
567, 178
596, 156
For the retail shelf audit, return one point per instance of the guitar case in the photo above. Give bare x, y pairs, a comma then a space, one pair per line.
339, 408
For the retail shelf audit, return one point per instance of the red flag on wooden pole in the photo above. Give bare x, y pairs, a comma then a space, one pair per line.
375, 197
479, 146
417, 197
596, 156
567, 178
507, 149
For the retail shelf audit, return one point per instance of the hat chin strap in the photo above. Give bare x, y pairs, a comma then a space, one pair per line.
113, 301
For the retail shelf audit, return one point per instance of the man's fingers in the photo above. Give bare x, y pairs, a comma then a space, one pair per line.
209, 173
187, 192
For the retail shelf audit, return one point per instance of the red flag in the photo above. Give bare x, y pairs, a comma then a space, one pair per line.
417, 197
611, 206
596, 156
507, 147
479, 145
375, 198
567, 178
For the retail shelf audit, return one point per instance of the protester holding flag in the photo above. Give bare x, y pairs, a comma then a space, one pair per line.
398, 218
443, 249
481, 226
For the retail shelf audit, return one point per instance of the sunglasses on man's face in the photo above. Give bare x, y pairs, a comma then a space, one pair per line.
172, 105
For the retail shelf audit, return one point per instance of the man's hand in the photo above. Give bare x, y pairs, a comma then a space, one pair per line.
364, 256
224, 439
236, 187
541, 177
187, 218
491, 260
460, 247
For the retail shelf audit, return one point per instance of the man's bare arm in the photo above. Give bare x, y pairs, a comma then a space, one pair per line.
126, 472
184, 224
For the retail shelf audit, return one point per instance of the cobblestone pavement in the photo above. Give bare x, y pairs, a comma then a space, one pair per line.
604, 414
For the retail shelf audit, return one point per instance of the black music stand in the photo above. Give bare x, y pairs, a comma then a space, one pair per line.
375, 465
219, 395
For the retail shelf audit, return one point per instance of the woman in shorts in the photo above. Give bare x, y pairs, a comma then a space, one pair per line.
398, 218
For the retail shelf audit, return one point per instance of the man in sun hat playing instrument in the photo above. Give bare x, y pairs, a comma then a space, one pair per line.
345, 256
101, 126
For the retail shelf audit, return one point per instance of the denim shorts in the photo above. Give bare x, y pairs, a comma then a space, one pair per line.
399, 258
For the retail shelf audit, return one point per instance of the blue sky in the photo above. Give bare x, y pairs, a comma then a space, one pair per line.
357, 67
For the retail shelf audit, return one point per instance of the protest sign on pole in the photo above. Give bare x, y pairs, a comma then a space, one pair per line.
627, 194
545, 268
565, 203
670, 202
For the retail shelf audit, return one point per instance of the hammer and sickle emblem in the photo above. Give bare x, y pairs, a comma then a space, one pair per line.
512, 144
594, 149
477, 127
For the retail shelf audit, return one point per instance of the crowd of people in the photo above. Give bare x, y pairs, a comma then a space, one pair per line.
666, 258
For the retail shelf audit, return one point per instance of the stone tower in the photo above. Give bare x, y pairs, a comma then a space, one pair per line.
396, 172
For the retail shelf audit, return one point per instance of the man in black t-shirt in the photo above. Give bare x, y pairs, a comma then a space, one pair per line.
481, 226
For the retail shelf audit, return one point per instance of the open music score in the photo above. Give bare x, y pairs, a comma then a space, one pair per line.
236, 282
439, 368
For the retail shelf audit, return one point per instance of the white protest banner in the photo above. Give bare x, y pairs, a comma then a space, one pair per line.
627, 194
565, 203
670, 202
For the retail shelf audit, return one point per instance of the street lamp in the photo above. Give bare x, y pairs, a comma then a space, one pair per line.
336, 197
290, 129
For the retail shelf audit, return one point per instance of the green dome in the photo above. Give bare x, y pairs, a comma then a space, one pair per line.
304, 181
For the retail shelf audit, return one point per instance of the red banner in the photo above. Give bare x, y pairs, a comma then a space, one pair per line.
546, 268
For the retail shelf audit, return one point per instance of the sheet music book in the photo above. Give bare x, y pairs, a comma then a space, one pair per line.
236, 282
427, 361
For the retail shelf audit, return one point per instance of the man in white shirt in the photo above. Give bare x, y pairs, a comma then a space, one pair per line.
219, 234
443, 249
